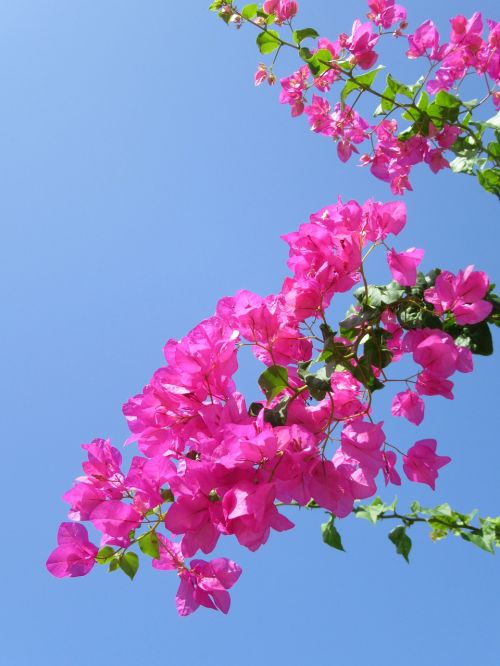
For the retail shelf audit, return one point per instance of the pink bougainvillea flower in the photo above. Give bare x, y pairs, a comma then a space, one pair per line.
284, 10
437, 352
390, 473
436, 161
83, 498
260, 75
362, 441
293, 89
429, 384
206, 584
463, 295
250, 513
403, 265
201, 584
383, 219
421, 463
386, 13
424, 41
75, 555
319, 114
409, 405
447, 137
361, 43
115, 518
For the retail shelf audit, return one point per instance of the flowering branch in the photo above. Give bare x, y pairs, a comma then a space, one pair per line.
210, 466
439, 120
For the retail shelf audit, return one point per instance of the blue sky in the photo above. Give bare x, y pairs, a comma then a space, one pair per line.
143, 177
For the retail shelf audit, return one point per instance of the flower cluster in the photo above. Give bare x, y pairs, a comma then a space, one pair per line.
466, 51
213, 466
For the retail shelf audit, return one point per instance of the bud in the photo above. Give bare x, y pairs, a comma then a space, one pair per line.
213, 496
343, 40
260, 75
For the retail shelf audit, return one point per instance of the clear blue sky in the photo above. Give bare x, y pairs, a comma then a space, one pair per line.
142, 178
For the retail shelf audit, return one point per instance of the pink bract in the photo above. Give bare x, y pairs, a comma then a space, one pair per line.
75, 555
421, 463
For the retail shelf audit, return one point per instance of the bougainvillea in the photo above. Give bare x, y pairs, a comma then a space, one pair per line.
212, 464
439, 124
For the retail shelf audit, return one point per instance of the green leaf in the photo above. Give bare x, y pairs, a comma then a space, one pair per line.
361, 82
483, 541
305, 53
376, 354
444, 108
319, 62
255, 409
319, 384
447, 101
423, 101
273, 380
150, 545
415, 507
277, 415
401, 540
412, 316
300, 35
366, 314
363, 372
490, 180
443, 510
249, 11
413, 115
398, 88
303, 369
387, 102
471, 104
105, 555
347, 90
268, 41
494, 149
492, 298
463, 165
331, 535
129, 564
373, 511
167, 495
383, 107
477, 337
392, 293
369, 77
375, 296
494, 122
